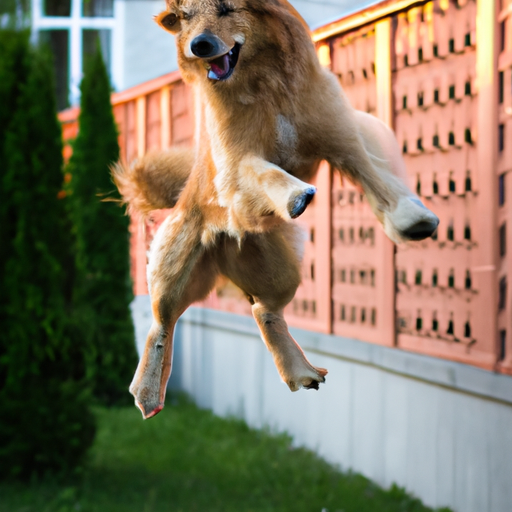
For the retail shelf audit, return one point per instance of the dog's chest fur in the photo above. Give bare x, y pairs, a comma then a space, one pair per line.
286, 141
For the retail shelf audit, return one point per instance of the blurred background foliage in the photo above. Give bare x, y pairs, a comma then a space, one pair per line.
46, 423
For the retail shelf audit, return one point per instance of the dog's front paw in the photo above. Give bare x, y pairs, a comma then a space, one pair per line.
299, 202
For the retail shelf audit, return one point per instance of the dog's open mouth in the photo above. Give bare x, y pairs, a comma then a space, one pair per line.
222, 67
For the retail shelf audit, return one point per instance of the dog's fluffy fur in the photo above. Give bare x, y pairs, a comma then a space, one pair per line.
264, 122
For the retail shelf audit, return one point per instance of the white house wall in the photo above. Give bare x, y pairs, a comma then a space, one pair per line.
319, 12
149, 51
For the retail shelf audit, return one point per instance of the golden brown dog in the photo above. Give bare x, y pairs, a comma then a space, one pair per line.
267, 114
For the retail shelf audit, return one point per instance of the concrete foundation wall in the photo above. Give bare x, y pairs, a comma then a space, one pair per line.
442, 430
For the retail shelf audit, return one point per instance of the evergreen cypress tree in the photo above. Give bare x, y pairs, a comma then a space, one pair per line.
102, 288
13, 73
46, 422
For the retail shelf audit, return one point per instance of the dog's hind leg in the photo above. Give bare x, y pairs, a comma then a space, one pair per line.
180, 272
266, 267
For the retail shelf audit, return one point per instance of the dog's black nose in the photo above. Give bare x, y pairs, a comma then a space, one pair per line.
205, 45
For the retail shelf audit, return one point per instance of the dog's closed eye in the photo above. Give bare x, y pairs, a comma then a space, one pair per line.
225, 9
169, 21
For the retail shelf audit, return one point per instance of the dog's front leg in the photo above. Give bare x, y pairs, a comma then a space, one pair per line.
410, 220
366, 151
289, 195
180, 272
361, 156
258, 189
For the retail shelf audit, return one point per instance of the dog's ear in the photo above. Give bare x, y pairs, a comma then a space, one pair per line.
169, 21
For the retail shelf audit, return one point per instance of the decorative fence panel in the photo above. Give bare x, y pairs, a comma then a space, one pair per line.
438, 300
311, 306
362, 282
153, 121
504, 177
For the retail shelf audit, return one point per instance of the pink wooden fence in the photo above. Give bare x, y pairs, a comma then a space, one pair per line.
362, 257
446, 297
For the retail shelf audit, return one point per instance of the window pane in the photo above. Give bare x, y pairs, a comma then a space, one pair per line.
98, 8
58, 42
90, 41
57, 7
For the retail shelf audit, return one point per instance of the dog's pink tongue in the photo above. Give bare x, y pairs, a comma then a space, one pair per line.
220, 66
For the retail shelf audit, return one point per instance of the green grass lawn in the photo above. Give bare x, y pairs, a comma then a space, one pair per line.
188, 460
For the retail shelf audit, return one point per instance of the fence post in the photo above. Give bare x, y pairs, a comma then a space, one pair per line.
165, 117
141, 125
385, 276
323, 246
138, 229
487, 149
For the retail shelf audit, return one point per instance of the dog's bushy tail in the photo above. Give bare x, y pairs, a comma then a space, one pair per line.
154, 181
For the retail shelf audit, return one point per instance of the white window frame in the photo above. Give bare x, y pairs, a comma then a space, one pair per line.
75, 23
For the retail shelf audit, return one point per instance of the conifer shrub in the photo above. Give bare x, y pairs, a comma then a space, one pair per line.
102, 289
46, 423
13, 73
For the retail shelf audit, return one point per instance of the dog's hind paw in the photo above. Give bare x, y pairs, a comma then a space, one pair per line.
152, 411
312, 380
298, 204
313, 385
147, 399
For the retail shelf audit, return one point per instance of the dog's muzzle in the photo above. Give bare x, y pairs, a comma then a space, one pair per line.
219, 60
207, 46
